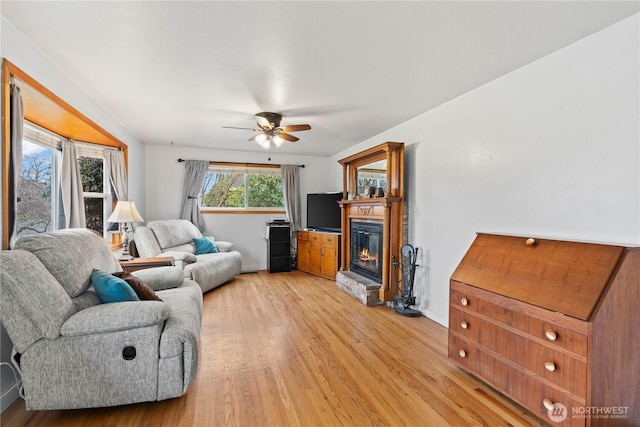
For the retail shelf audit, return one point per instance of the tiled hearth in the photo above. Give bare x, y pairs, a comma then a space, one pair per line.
364, 290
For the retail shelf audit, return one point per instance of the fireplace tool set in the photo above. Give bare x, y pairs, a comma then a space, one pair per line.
407, 272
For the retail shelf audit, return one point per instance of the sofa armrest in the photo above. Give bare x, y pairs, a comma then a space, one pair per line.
224, 246
113, 317
160, 278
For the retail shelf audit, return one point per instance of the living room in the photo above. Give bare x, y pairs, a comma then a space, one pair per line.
547, 148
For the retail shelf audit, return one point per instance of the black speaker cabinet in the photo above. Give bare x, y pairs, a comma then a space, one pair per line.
279, 248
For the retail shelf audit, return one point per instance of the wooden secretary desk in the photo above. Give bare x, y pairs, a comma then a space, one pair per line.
554, 325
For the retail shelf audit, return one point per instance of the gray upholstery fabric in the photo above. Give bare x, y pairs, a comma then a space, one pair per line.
223, 246
174, 232
70, 256
71, 350
212, 270
185, 257
160, 278
179, 342
86, 300
146, 242
90, 371
118, 316
34, 305
208, 270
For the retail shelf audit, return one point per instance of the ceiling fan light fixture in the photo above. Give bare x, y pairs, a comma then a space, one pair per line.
263, 140
277, 140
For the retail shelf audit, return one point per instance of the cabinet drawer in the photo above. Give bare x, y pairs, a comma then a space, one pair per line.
460, 298
563, 331
536, 395
563, 370
558, 335
505, 378
329, 239
488, 335
314, 237
303, 235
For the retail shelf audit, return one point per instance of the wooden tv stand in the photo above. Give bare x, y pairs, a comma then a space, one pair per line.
552, 325
319, 253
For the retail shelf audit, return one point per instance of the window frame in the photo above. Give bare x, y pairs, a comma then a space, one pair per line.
37, 135
245, 210
47, 110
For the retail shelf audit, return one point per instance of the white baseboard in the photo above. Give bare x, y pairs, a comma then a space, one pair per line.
435, 317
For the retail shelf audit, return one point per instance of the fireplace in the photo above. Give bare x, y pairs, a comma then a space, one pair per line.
366, 249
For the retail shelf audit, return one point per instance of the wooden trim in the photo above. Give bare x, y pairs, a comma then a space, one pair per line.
62, 111
6, 144
240, 211
244, 165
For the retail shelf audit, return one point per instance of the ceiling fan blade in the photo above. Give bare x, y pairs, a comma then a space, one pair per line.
287, 137
295, 128
233, 127
264, 123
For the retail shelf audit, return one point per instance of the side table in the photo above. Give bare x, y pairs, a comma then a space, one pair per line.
140, 263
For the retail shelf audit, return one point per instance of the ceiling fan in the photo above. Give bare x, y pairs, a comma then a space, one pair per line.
270, 130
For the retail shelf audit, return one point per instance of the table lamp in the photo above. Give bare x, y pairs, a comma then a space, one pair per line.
124, 213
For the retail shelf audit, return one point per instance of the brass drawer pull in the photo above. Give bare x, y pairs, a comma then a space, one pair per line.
548, 404
550, 366
463, 353
464, 325
551, 334
464, 301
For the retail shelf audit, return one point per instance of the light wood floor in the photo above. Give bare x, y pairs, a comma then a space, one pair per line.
290, 349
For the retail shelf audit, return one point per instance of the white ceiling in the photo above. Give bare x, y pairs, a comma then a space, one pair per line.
178, 71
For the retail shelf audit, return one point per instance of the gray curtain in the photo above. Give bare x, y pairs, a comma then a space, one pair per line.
291, 193
194, 172
16, 117
114, 163
71, 187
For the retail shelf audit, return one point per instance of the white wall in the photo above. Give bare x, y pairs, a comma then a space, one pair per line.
18, 50
549, 150
165, 177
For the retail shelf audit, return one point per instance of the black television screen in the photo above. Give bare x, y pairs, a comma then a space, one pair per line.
323, 211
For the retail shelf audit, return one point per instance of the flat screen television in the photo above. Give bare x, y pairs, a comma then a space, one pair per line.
323, 211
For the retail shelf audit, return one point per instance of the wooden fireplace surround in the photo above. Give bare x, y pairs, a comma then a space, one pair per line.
387, 210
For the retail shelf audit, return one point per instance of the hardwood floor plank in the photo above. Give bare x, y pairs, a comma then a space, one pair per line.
290, 349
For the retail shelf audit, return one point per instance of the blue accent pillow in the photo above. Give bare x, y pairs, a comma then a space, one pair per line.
112, 289
205, 245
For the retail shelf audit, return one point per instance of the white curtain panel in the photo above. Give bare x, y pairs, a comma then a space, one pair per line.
71, 187
114, 162
194, 172
16, 117
291, 193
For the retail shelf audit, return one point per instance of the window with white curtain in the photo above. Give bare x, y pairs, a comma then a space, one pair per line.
39, 206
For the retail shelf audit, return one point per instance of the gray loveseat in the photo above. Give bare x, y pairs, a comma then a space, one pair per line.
174, 238
72, 350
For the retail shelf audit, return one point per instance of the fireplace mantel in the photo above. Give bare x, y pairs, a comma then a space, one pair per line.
387, 210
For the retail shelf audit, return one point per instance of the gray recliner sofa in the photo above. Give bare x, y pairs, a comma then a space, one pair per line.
174, 238
72, 350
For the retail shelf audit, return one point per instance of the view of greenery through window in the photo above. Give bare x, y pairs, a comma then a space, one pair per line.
92, 173
37, 209
230, 189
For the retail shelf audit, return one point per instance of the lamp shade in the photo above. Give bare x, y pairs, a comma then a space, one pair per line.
125, 211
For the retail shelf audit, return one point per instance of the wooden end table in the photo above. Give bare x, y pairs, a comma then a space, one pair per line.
140, 263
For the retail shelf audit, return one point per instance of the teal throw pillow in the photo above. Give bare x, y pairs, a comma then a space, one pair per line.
205, 245
112, 289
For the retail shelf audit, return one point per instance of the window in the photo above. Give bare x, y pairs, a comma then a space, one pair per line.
242, 187
39, 208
